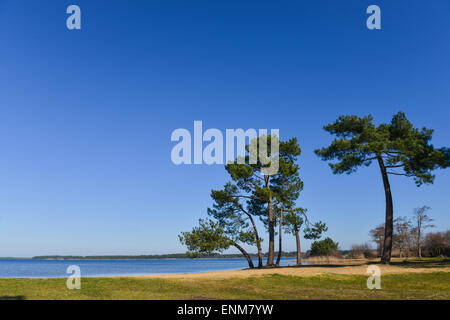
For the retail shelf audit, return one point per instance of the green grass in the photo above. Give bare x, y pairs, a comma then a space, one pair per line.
327, 286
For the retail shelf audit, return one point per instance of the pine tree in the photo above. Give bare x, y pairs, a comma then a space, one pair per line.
268, 191
397, 145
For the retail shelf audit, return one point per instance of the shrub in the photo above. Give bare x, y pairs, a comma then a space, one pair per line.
437, 244
360, 251
325, 247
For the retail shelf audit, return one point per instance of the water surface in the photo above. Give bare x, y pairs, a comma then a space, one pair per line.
31, 268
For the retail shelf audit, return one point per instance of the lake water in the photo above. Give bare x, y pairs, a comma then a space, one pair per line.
29, 268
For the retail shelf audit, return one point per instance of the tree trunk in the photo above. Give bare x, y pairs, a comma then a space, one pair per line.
271, 253
299, 251
258, 242
419, 236
279, 239
389, 223
242, 250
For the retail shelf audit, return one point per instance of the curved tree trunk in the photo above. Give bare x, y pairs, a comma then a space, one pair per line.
389, 223
299, 251
242, 250
258, 241
279, 239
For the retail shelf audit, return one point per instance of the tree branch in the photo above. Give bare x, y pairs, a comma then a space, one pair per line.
261, 178
398, 174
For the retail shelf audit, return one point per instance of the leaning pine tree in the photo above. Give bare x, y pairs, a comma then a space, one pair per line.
230, 206
397, 145
212, 237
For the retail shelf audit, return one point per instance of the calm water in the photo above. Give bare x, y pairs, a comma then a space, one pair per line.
11, 268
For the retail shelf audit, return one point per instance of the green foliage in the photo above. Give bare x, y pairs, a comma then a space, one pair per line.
254, 191
294, 220
323, 247
398, 144
315, 231
205, 239
258, 187
230, 213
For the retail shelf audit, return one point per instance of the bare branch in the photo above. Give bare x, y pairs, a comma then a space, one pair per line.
396, 166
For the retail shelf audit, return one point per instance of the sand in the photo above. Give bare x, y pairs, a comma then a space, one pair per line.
302, 271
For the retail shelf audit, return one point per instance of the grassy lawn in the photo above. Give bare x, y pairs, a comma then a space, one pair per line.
327, 286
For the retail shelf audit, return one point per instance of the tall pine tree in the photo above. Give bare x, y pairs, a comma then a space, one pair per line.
266, 189
397, 145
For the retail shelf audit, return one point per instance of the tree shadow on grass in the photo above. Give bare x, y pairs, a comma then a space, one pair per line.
325, 265
414, 263
12, 298
317, 265
425, 263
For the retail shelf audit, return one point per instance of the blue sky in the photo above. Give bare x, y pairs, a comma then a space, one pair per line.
86, 116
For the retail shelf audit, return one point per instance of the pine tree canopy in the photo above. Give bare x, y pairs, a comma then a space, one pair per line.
398, 144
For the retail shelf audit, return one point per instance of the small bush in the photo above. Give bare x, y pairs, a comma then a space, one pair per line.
325, 247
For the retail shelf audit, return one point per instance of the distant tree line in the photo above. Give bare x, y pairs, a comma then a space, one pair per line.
153, 256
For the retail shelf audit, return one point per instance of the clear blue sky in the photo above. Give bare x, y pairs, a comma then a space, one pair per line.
86, 116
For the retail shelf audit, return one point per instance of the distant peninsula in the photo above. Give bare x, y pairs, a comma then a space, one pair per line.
148, 257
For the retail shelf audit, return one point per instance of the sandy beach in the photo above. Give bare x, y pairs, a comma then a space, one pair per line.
347, 268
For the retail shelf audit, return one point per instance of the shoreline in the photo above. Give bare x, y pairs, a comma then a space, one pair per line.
311, 269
